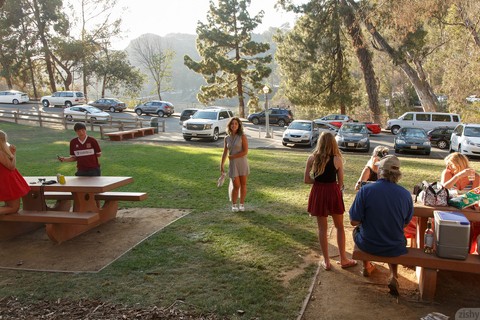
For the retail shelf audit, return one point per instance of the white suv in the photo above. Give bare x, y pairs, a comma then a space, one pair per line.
64, 98
466, 139
207, 123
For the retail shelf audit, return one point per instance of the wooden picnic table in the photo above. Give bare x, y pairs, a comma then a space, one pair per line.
85, 214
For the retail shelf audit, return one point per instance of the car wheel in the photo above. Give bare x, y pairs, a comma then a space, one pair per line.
187, 138
215, 134
112, 109
281, 123
442, 144
69, 118
93, 119
395, 130
45, 103
138, 112
68, 104
284, 144
160, 113
255, 121
427, 153
15, 101
397, 150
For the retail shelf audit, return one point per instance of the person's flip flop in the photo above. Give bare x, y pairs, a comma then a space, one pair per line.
325, 267
351, 263
393, 286
366, 272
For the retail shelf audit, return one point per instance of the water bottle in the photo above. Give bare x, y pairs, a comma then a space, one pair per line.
428, 239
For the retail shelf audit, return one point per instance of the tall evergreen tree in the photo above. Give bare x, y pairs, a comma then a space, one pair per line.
232, 64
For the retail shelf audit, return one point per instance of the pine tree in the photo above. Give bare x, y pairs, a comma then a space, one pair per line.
231, 63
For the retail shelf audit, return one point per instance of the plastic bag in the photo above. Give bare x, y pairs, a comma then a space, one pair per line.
465, 200
221, 180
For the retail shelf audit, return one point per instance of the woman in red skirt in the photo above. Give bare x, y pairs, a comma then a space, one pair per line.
12, 184
324, 169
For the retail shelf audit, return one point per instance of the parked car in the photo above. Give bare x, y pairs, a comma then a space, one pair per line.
423, 120
161, 108
279, 116
440, 136
373, 127
353, 136
336, 119
322, 125
85, 112
207, 123
466, 139
412, 139
63, 98
13, 96
187, 114
473, 98
301, 132
110, 104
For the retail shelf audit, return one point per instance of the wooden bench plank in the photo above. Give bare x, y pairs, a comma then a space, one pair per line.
119, 135
54, 217
121, 196
416, 257
112, 195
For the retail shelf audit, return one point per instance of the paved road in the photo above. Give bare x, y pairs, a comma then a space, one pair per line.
256, 134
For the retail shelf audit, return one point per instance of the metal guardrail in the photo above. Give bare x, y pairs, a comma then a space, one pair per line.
53, 120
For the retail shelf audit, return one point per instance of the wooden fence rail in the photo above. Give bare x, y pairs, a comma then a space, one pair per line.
56, 120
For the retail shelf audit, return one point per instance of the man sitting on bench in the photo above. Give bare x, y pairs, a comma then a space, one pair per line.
379, 213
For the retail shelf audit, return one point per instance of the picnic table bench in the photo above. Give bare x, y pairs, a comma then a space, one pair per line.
65, 221
130, 134
427, 265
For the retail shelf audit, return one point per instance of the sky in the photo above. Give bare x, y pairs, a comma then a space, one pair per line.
181, 16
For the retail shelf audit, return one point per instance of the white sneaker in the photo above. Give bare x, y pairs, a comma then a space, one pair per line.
242, 207
234, 208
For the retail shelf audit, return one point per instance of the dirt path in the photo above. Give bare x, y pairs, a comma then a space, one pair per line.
346, 294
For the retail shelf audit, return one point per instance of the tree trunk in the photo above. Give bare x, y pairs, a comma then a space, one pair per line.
422, 88
365, 59
241, 99
32, 77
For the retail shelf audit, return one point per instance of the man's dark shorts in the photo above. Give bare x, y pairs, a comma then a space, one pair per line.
89, 173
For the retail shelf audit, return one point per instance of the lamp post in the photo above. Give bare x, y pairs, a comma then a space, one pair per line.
266, 90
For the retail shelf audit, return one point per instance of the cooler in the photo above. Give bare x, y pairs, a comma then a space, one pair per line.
452, 235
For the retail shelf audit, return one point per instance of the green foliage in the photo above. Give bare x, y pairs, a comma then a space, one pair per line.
232, 63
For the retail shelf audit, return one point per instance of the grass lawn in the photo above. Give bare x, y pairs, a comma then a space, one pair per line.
212, 259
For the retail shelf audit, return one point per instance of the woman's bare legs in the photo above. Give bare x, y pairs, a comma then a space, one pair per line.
236, 187
243, 189
322, 238
11, 206
338, 222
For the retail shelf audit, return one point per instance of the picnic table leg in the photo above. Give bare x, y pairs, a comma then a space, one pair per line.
421, 227
33, 201
84, 202
427, 283
62, 232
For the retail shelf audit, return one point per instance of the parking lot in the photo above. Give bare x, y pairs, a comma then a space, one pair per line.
255, 133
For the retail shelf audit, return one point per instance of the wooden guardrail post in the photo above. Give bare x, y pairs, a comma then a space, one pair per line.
15, 115
40, 117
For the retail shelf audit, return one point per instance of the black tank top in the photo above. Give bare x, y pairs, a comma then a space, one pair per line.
329, 174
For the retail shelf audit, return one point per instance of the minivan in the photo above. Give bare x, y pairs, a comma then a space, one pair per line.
424, 120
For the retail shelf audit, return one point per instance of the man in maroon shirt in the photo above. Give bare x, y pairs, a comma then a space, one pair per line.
85, 151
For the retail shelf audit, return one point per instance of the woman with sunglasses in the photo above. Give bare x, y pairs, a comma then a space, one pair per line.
369, 172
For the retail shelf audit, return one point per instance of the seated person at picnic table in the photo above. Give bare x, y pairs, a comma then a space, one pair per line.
12, 185
455, 177
369, 172
379, 213
85, 150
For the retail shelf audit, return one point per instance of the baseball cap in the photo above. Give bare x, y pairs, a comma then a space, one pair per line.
390, 163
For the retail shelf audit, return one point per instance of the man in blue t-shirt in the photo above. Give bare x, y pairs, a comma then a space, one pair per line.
379, 213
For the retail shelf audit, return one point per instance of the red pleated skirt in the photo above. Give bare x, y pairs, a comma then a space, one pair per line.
12, 184
325, 199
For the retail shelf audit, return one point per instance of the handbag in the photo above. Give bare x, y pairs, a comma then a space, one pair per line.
432, 194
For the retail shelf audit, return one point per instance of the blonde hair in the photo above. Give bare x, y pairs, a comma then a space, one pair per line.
378, 153
458, 160
326, 148
4, 144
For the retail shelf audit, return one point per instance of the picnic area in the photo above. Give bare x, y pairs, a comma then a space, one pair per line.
181, 253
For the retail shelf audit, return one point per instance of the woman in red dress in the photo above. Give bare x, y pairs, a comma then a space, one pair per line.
324, 170
12, 185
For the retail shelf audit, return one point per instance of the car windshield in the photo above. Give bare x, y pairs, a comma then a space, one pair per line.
472, 131
414, 133
300, 126
353, 128
93, 110
211, 115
